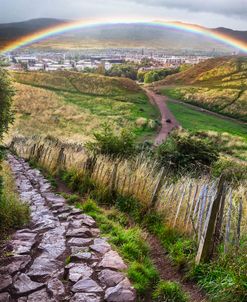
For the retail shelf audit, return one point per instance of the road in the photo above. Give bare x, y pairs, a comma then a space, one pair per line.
166, 127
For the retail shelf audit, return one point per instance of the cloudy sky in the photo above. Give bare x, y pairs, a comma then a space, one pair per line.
211, 13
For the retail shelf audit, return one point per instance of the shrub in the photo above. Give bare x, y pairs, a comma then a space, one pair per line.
185, 151
233, 170
108, 143
167, 291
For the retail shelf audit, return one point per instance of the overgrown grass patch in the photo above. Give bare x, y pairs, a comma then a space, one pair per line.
167, 291
224, 278
14, 214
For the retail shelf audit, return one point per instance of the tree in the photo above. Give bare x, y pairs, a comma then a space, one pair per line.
6, 116
123, 70
6, 95
151, 77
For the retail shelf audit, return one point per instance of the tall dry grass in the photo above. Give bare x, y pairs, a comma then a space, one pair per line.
184, 203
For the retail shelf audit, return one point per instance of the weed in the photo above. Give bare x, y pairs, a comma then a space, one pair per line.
167, 291
67, 260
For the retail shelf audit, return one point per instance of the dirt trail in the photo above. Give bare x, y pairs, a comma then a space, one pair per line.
60, 256
168, 271
168, 121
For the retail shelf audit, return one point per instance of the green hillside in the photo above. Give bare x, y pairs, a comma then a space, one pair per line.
218, 84
72, 105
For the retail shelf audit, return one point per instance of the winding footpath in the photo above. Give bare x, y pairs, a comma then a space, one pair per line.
60, 256
168, 121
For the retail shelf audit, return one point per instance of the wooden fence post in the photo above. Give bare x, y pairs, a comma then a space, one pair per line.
228, 223
219, 221
157, 188
114, 178
240, 214
205, 245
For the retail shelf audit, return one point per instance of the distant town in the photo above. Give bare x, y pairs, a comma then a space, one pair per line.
92, 59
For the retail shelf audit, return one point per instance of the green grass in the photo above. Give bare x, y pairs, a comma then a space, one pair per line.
13, 213
224, 278
167, 291
122, 109
198, 121
230, 136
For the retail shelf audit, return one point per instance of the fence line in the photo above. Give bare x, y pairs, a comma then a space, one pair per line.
186, 204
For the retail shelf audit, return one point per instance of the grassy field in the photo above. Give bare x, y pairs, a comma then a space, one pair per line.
72, 106
232, 134
218, 84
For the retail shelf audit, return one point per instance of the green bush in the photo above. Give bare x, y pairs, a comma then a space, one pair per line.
186, 151
233, 170
167, 291
108, 143
78, 181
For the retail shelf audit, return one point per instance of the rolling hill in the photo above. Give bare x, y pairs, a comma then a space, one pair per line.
72, 106
218, 84
121, 35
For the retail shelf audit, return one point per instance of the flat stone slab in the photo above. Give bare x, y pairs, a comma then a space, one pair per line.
44, 266
21, 247
83, 256
110, 278
5, 281
17, 263
86, 285
123, 292
40, 296
82, 232
80, 297
78, 271
56, 287
100, 246
112, 260
53, 242
5, 297
80, 241
24, 285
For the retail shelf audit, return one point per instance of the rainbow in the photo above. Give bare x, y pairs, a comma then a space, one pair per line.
70, 26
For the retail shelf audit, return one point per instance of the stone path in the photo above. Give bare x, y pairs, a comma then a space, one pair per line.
60, 257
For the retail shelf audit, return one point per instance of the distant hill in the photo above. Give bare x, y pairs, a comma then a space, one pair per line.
120, 35
218, 84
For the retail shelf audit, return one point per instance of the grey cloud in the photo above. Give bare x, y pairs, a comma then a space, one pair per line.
223, 7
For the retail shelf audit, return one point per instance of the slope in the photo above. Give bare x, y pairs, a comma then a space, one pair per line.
218, 84
73, 106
